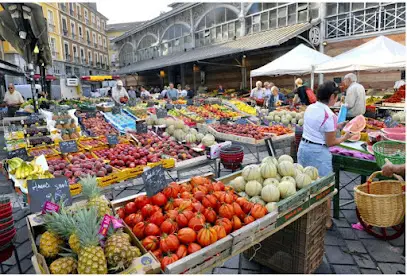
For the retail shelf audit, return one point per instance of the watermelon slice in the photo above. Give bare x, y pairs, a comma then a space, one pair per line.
357, 124
355, 137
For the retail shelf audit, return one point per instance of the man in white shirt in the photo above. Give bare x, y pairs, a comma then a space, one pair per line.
13, 100
355, 96
163, 93
184, 93
119, 91
258, 92
144, 93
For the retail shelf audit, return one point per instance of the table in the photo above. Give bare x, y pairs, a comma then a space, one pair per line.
354, 165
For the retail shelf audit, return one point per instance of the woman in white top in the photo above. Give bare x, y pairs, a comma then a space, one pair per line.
319, 133
258, 91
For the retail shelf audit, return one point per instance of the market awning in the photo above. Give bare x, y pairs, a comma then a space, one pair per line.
99, 78
247, 43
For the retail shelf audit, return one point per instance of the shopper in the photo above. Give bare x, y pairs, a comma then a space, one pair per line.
221, 90
163, 93
355, 98
319, 133
172, 93
258, 92
276, 98
184, 93
267, 90
132, 92
144, 93
190, 92
179, 88
301, 93
13, 100
119, 91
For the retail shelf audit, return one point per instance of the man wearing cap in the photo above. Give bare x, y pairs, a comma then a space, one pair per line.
13, 100
119, 91
355, 96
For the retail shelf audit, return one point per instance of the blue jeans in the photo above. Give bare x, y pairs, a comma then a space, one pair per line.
317, 156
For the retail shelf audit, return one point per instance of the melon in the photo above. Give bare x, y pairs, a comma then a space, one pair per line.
199, 137
186, 128
287, 189
193, 131
296, 172
271, 206
258, 200
179, 124
208, 140
161, 122
298, 167
170, 129
288, 178
179, 135
357, 124
270, 159
165, 134
190, 138
260, 180
312, 172
270, 193
271, 181
170, 122
150, 121
303, 180
293, 114
278, 177
253, 188
294, 121
251, 172
238, 184
285, 157
298, 116
355, 137
277, 118
285, 121
300, 122
269, 118
268, 170
272, 113
243, 194
288, 117
286, 168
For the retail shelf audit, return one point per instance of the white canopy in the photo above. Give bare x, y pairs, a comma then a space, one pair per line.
298, 61
377, 54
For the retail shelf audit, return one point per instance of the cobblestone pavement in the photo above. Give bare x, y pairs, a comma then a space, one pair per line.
347, 251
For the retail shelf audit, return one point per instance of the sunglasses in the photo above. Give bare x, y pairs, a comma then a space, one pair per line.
10, 88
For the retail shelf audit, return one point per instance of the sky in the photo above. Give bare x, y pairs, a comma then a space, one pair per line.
120, 11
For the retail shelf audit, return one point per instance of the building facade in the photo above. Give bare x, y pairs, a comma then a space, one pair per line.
219, 43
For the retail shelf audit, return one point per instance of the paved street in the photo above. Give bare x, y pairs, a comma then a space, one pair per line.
347, 251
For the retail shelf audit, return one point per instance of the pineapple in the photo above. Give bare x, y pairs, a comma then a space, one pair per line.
91, 259
51, 240
119, 253
91, 190
65, 265
69, 230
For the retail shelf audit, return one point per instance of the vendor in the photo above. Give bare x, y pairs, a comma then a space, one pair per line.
319, 133
300, 93
276, 99
163, 93
190, 92
258, 92
144, 93
13, 100
132, 92
119, 91
172, 93
267, 89
221, 90
355, 96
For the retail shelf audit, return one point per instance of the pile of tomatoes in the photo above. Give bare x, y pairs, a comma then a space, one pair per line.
185, 217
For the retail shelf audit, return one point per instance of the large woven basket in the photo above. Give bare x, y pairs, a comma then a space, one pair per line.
381, 203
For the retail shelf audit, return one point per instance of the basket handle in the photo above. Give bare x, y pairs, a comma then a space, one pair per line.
373, 175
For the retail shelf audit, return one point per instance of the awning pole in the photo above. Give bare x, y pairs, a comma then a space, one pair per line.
251, 84
312, 77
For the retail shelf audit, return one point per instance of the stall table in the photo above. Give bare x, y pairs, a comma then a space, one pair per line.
361, 167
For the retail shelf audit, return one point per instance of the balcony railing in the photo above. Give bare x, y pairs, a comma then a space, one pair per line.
96, 45
51, 27
73, 36
80, 17
67, 57
72, 12
84, 61
65, 32
63, 7
89, 42
377, 19
87, 21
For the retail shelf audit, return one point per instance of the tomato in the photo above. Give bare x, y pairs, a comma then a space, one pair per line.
197, 222
177, 202
258, 211
171, 258
121, 213
169, 243
248, 219
138, 230
130, 208
185, 187
226, 211
236, 222
193, 247
186, 195
207, 235
172, 190
220, 231
199, 195
150, 243
186, 205
226, 198
218, 186
210, 215
157, 218
169, 205
186, 235
238, 210
172, 214
182, 219
241, 201
198, 207
210, 201
158, 254
159, 199
169, 226
200, 189
247, 207
147, 210
129, 220
225, 223
182, 251
141, 201
151, 230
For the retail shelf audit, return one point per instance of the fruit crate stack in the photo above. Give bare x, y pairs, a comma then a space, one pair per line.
298, 248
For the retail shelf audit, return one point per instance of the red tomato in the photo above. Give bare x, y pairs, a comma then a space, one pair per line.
150, 243
159, 199
129, 220
193, 247
182, 251
169, 243
121, 213
151, 230
186, 235
141, 201
172, 214
207, 236
225, 223
157, 218
138, 230
196, 223
171, 258
130, 208
169, 226
210, 215
158, 254
147, 210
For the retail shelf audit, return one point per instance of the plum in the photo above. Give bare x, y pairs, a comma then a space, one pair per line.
100, 174
78, 173
68, 174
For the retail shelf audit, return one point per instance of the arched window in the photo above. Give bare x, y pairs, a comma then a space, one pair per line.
175, 39
126, 55
147, 48
218, 25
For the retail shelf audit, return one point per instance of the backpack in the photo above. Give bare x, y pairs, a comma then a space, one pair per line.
311, 96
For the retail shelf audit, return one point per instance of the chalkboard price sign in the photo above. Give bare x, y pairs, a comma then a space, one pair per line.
178, 106
68, 146
241, 122
22, 153
91, 114
116, 110
141, 127
224, 121
112, 139
154, 180
190, 101
32, 119
169, 106
53, 189
150, 104
161, 113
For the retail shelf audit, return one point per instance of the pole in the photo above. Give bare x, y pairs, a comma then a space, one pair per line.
312, 77
322, 15
30, 67
251, 84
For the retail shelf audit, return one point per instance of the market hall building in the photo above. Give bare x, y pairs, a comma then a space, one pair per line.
207, 44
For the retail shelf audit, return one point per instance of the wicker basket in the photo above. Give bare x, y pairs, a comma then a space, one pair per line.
381, 203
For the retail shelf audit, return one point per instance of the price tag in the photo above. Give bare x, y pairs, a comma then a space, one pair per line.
241, 122
50, 207
68, 146
116, 110
112, 139
32, 119
52, 189
21, 153
178, 106
190, 101
169, 106
161, 113
141, 128
154, 180
224, 121
91, 114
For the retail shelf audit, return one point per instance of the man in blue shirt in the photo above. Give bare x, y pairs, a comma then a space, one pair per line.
172, 93
276, 98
